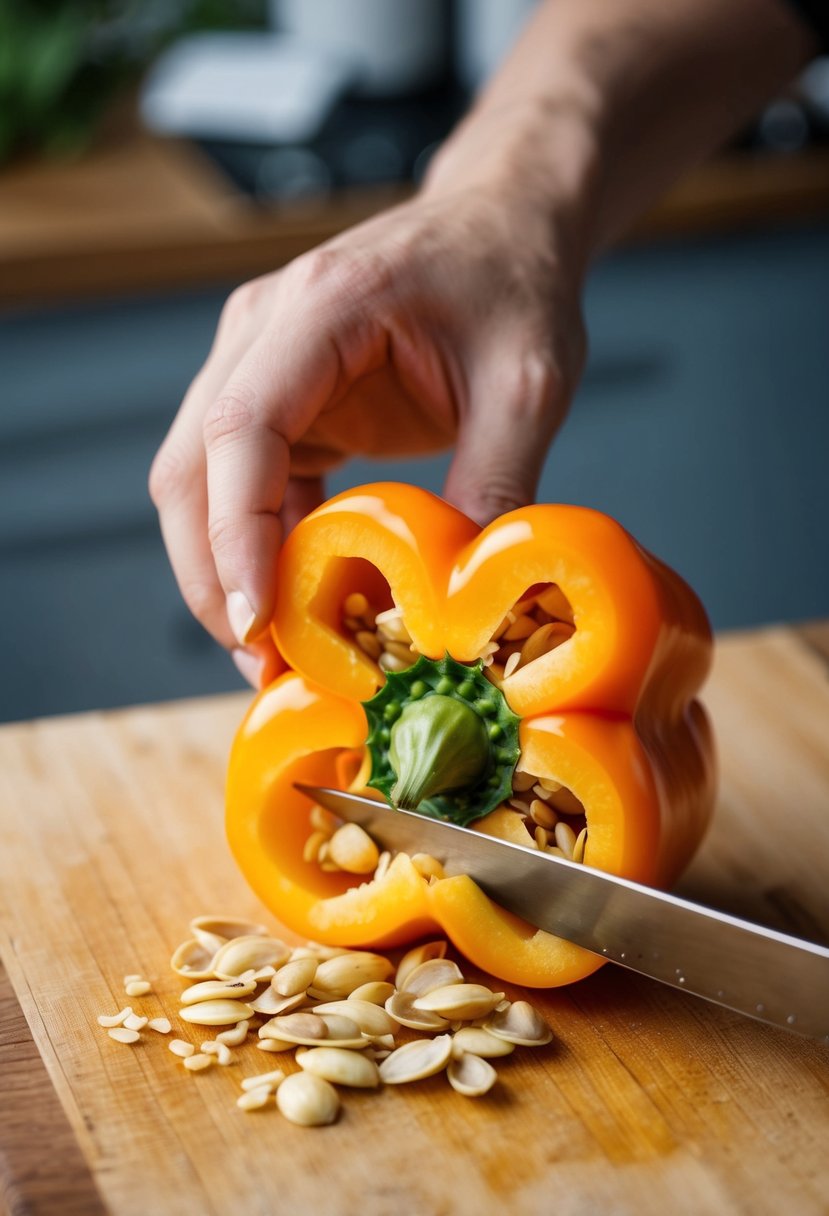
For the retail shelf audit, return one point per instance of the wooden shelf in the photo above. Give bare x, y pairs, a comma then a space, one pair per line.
141, 214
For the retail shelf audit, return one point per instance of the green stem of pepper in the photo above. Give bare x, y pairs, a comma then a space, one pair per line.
438, 745
443, 740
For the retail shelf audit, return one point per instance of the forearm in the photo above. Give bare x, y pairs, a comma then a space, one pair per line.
602, 103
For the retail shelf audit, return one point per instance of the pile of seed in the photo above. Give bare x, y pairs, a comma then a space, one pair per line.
338, 1012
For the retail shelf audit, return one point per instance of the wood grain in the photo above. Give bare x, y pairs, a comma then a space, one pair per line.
648, 1101
42, 1169
816, 635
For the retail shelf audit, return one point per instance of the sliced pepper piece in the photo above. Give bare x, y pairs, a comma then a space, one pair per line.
642, 639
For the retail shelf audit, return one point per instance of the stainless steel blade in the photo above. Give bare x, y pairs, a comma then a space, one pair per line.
755, 971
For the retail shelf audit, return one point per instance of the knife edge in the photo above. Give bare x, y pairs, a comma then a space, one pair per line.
760, 972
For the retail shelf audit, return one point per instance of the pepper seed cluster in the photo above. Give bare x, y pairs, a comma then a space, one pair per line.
552, 815
533, 627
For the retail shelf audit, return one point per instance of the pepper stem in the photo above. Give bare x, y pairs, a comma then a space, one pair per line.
438, 744
443, 740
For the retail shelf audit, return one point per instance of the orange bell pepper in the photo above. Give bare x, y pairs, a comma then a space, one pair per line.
606, 710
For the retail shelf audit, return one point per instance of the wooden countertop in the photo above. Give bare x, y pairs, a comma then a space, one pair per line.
140, 214
648, 1101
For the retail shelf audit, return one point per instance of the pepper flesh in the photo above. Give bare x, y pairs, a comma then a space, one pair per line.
610, 713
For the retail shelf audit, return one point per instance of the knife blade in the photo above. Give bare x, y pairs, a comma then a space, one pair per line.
759, 972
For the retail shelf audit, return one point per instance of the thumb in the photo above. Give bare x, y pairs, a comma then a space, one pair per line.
259, 661
514, 409
295, 369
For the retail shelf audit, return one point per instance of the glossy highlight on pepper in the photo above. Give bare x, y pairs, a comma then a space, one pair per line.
604, 693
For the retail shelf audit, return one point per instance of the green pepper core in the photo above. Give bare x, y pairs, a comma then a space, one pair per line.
443, 740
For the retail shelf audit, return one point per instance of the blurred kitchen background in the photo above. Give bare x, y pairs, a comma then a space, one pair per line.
154, 154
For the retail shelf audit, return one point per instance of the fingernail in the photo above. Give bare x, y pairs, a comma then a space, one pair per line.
241, 616
250, 665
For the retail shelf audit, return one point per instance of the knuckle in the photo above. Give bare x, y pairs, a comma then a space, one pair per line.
201, 598
239, 304
333, 273
315, 267
537, 391
235, 303
494, 490
169, 476
502, 494
224, 533
230, 416
535, 383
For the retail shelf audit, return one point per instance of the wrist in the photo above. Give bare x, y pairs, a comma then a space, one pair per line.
537, 161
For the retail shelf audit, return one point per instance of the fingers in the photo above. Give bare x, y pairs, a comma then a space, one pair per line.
516, 403
258, 661
179, 490
287, 378
250, 665
247, 471
283, 346
178, 478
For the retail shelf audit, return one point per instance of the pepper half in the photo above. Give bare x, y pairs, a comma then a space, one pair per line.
611, 649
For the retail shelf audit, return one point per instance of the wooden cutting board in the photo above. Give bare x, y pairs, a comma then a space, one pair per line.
647, 1101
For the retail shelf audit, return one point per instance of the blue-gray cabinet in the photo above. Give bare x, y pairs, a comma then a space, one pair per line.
702, 424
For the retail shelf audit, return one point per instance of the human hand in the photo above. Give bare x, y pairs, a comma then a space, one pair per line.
452, 318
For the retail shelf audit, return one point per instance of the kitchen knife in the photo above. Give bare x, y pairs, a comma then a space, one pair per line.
755, 971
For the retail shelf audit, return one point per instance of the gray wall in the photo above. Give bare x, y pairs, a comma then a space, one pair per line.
701, 424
